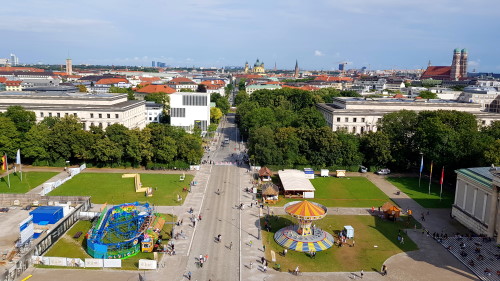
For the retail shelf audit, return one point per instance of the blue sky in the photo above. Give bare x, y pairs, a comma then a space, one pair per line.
379, 34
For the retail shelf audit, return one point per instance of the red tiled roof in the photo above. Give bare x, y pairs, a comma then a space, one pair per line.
149, 79
214, 87
108, 81
274, 83
213, 82
332, 78
12, 83
398, 96
306, 88
156, 89
20, 68
437, 72
3, 79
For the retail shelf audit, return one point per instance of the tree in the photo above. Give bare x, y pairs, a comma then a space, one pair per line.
106, 151
190, 149
241, 97
161, 98
36, 143
201, 88
186, 90
9, 138
241, 84
428, 95
223, 105
82, 88
131, 96
63, 136
492, 153
23, 119
118, 90
262, 146
215, 115
375, 147
400, 128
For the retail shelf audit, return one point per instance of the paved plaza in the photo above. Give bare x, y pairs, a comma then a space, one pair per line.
217, 197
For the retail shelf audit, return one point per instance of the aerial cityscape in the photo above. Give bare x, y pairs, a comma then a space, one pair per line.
216, 140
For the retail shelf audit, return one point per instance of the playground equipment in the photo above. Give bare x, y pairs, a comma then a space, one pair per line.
148, 191
302, 237
118, 231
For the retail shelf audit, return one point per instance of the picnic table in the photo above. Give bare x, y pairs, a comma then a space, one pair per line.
77, 235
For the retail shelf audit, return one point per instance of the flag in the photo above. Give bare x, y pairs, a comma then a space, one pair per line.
431, 167
18, 157
442, 176
4, 162
422, 164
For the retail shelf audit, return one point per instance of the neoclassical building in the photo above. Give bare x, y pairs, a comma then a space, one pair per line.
476, 200
258, 67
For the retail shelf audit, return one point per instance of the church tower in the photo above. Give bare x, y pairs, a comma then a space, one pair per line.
69, 66
455, 65
246, 67
296, 73
463, 64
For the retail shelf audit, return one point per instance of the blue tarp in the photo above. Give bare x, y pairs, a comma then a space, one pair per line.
52, 214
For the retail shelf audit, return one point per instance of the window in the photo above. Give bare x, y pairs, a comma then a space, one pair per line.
178, 112
194, 100
41, 114
58, 114
50, 114
380, 119
74, 114
66, 114
116, 116
108, 115
91, 115
363, 120
355, 119
347, 119
100, 124
100, 116
338, 119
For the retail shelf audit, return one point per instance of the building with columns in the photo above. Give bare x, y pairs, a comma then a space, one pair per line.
476, 200
360, 115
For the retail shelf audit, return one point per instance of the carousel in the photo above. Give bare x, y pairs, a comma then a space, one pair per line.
303, 237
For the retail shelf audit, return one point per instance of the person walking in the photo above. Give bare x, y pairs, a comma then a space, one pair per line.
402, 240
189, 275
284, 252
262, 259
251, 265
384, 270
218, 238
264, 248
296, 272
362, 273
230, 245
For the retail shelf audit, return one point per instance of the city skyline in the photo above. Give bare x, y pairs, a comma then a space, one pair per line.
381, 34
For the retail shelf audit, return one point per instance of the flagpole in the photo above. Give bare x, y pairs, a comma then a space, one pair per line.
421, 168
441, 182
7, 167
430, 179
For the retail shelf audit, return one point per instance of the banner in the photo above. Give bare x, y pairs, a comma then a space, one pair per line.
94, 263
4, 162
147, 264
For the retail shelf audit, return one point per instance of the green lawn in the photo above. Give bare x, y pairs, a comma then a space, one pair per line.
30, 181
421, 195
369, 231
114, 189
69, 247
344, 192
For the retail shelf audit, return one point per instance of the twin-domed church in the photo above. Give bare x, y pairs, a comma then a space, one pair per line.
258, 67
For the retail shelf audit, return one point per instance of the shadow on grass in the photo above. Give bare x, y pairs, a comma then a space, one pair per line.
410, 186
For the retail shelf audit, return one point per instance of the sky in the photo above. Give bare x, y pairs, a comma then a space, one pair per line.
378, 34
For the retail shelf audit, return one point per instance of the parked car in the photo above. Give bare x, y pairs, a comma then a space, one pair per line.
383, 172
363, 169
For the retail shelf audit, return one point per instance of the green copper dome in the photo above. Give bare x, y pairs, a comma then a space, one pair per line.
457, 50
464, 51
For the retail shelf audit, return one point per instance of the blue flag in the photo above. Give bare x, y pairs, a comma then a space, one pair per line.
422, 164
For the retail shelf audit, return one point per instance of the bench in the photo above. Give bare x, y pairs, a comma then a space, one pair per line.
77, 235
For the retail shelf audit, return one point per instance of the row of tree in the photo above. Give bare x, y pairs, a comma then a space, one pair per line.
56, 140
284, 128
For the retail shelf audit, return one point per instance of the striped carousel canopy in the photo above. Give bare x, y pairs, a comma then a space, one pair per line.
305, 210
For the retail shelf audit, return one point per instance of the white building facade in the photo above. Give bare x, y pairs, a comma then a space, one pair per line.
97, 110
359, 115
188, 110
476, 200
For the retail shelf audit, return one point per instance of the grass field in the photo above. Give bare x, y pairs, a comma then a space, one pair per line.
114, 189
69, 247
344, 192
421, 195
369, 231
30, 181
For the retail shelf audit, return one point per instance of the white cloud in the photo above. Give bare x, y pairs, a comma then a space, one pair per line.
318, 53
